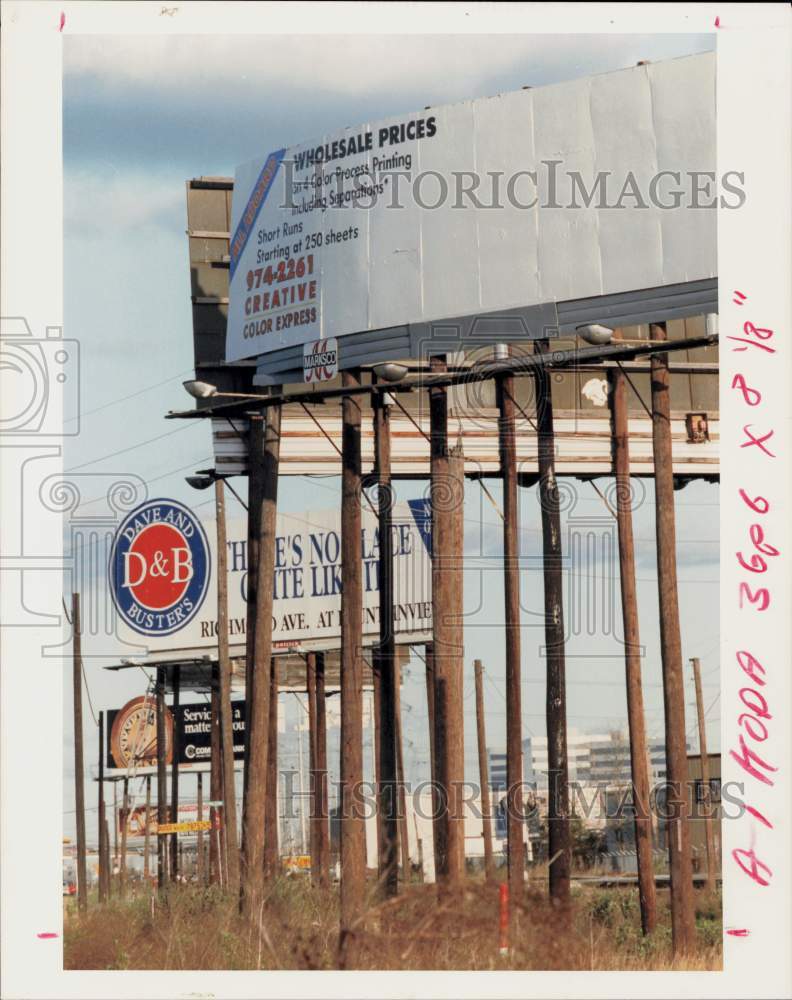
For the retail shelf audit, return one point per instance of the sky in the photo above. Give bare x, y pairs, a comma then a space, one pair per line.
141, 115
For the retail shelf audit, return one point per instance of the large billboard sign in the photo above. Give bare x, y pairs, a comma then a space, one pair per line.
164, 584
542, 196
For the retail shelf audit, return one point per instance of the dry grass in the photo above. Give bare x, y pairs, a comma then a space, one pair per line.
194, 928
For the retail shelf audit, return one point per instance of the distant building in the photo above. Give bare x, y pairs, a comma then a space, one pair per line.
593, 758
497, 771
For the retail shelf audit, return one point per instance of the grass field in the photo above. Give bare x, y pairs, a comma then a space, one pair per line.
199, 928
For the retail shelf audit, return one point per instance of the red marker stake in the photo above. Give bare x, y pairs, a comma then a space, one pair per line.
504, 919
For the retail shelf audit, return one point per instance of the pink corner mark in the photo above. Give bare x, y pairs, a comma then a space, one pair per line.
62, 21
738, 931
717, 22
47, 934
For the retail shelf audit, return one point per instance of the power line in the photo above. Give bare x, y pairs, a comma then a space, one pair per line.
148, 482
132, 395
133, 447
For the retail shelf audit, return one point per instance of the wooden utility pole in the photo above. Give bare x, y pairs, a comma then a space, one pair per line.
705, 776
215, 780
107, 858
226, 711
558, 793
257, 424
431, 691
353, 836
79, 764
271, 848
376, 680
258, 737
313, 778
385, 657
147, 832
323, 847
632, 656
448, 494
199, 840
680, 860
103, 880
115, 828
404, 842
504, 385
124, 821
174, 838
162, 779
486, 817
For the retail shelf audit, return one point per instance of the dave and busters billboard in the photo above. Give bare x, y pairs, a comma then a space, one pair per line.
574, 190
163, 578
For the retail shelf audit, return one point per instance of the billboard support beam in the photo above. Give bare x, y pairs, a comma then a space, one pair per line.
271, 849
486, 818
632, 658
215, 779
79, 762
107, 857
447, 488
124, 822
322, 854
199, 840
680, 859
313, 769
162, 779
147, 833
115, 830
353, 843
403, 838
558, 797
256, 724
705, 775
504, 387
174, 839
255, 448
385, 659
101, 811
376, 698
431, 694
226, 717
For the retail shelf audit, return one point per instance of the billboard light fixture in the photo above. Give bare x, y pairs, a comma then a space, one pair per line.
199, 482
390, 371
595, 333
200, 390
205, 390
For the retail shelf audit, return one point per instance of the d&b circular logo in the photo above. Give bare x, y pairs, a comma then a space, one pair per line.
159, 567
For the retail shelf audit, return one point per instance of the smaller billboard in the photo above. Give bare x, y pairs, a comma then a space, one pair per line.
187, 817
133, 733
197, 827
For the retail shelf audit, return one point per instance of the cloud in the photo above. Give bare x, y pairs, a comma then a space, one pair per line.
346, 64
221, 100
104, 200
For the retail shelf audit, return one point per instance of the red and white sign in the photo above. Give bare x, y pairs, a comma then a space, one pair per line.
320, 360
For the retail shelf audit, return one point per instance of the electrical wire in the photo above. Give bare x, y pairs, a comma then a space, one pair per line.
133, 447
123, 399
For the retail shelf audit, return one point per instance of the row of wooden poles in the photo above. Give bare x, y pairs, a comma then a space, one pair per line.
250, 864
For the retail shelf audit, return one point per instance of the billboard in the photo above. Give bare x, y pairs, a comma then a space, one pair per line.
132, 742
164, 585
542, 196
136, 818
